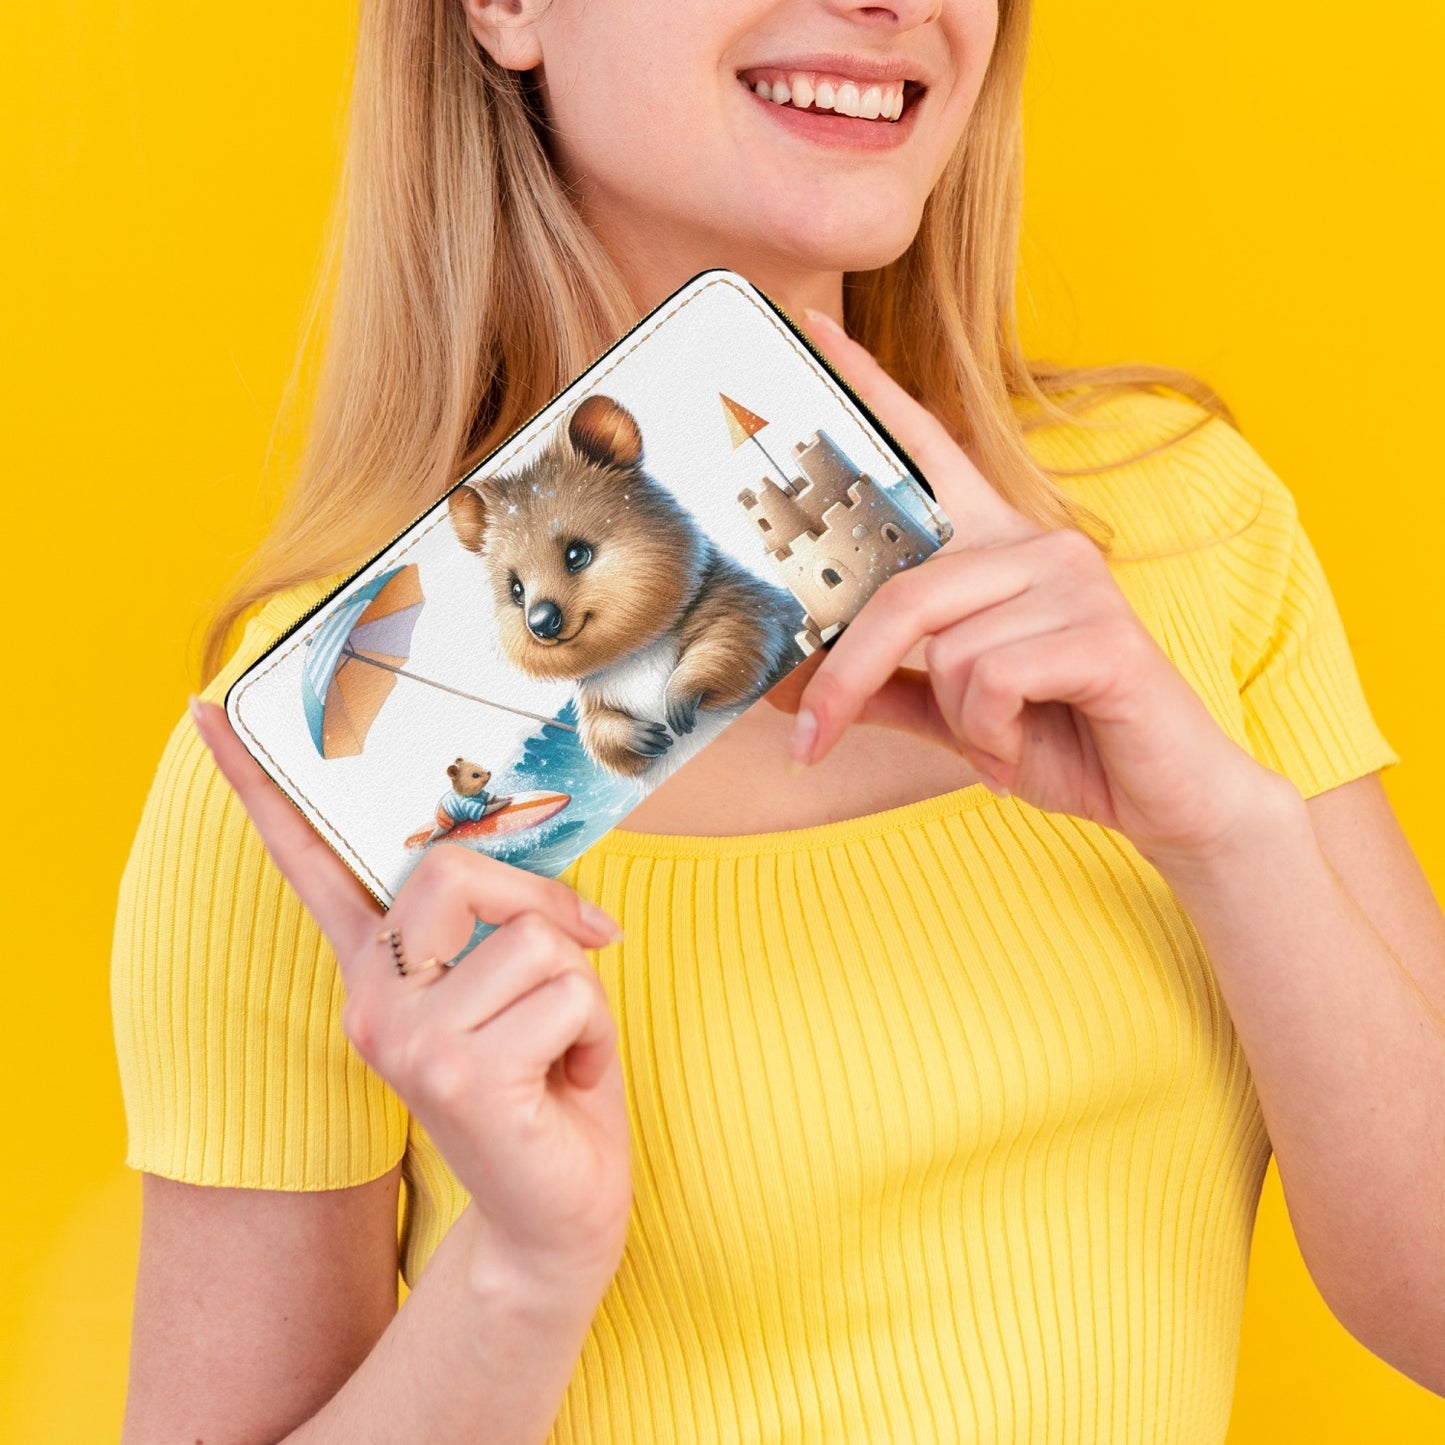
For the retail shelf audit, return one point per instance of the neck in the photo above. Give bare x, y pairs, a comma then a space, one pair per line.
652, 268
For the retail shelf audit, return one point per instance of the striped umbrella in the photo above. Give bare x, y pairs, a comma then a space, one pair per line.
355, 657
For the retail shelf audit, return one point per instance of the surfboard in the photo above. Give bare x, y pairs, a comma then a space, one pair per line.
526, 810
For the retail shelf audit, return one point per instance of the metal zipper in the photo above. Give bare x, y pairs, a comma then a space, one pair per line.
908, 463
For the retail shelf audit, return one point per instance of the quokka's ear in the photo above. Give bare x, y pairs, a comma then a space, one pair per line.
467, 507
605, 433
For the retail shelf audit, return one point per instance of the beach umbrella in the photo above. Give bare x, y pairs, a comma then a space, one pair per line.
341, 693
354, 658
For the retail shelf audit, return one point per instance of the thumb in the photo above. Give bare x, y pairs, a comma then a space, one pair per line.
784, 694
907, 703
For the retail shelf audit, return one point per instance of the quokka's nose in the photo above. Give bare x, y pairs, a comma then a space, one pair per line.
544, 619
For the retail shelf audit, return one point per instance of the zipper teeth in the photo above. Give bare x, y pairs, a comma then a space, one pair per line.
909, 465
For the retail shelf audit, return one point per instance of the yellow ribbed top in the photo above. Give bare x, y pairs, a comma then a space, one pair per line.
941, 1129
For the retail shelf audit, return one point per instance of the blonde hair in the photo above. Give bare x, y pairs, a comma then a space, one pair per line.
462, 290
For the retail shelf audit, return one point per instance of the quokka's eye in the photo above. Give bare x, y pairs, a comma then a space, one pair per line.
519, 592
577, 556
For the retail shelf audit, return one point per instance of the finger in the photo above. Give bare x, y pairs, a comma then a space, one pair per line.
978, 513
513, 961
785, 693
453, 886
928, 702
567, 1016
906, 609
1063, 667
398, 956
328, 889
907, 703
951, 653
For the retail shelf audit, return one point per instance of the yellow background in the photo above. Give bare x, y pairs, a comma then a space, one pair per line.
1248, 190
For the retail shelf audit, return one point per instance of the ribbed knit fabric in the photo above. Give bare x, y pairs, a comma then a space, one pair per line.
941, 1129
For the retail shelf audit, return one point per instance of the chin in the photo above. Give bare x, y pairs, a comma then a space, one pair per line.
850, 253
831, 239
854, 257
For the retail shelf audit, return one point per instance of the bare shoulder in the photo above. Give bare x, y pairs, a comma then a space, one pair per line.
254, 1306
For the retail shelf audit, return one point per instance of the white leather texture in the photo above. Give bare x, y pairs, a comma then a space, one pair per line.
657, 608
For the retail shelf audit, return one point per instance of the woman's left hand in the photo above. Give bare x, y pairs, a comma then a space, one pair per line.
1036, 668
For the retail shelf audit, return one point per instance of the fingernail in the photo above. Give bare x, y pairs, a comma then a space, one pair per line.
991, 771
600, 922
194, 703
821, 318
805, 734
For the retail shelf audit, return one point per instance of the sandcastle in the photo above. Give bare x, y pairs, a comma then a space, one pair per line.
834, 535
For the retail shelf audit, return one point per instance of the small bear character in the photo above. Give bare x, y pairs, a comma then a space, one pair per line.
467, 800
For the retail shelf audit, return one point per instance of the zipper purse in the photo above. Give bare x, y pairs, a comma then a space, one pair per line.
594, 602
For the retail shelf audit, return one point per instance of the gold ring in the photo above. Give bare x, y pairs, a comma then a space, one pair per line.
392, 937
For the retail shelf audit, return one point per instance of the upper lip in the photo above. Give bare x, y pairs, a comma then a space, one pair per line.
850, 67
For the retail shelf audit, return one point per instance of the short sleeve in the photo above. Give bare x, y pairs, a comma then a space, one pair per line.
226, 998
1304, 709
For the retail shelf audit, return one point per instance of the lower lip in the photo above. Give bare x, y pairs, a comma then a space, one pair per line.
841, 132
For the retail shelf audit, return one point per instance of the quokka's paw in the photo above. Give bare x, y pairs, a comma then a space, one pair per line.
682, 712
651, 739
629, 750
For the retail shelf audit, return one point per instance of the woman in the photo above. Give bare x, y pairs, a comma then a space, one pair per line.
951, 1069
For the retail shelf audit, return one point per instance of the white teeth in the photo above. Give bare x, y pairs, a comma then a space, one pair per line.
874, 102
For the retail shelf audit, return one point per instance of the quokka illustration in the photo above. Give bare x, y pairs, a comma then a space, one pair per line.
599, 576
467, 800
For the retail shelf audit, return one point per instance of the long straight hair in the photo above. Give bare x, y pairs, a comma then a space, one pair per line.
461, 291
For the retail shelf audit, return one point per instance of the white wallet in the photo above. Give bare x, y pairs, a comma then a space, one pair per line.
598, 599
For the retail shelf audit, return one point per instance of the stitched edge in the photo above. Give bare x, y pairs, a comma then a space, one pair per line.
495, 462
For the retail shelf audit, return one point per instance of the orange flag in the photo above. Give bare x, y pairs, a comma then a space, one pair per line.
742, 423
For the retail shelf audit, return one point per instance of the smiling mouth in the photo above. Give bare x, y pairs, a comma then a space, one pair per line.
810, 90
559, 640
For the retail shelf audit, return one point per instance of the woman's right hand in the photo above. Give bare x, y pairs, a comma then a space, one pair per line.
508, 1059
